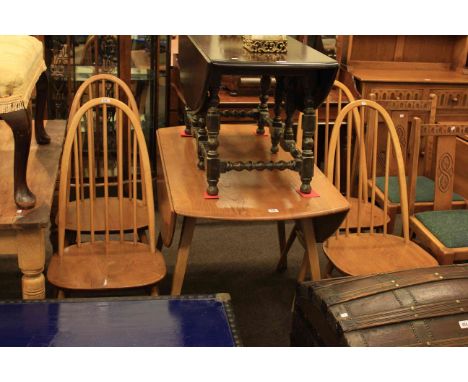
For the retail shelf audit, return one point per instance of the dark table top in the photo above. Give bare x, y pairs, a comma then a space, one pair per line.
203, 59
135, 321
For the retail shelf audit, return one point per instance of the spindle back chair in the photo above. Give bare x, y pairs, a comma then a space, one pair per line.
343, 95
365, 249
96, 261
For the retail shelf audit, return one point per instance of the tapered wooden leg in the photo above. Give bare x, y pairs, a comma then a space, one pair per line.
304, 267
329, 269
281, 227
188, 226
60, 294
283, 261
20, 123
159, 242
42, 85
154, 291
142, 236
311, 248
31, 260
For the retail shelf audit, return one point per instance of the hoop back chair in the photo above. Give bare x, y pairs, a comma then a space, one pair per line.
365, 250
443, 230
95, 261
102, 85
402, 113
350, 158
98, 86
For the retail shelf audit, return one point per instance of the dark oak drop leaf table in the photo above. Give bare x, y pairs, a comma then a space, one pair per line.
244, 196
303, 76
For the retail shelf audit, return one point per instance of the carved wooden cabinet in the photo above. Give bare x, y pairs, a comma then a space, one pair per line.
410, 67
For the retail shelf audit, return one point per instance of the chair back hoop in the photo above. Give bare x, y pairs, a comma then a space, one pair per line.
444, 141
374, 111
103, 78
71, 155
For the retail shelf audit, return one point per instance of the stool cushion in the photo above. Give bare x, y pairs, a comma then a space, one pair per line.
21, 64
450, 227
424, 189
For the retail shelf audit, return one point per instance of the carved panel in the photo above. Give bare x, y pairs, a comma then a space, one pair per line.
397, 94
420, 105
453, 99
445, 172
442, 129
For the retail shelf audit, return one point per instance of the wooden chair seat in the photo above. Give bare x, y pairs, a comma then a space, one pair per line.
102, 265
351, 220
366, 254
99, 214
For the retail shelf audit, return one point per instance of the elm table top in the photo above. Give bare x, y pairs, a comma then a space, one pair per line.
243, 196
135, 321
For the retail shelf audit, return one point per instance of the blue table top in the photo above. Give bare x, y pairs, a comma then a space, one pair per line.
138, 321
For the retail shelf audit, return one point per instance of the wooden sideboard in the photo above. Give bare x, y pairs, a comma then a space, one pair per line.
410, 67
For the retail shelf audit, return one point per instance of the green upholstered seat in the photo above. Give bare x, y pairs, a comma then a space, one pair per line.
424, 189
450, 227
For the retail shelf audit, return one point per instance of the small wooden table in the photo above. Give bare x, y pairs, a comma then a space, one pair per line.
22, 232
243, 196
205, 320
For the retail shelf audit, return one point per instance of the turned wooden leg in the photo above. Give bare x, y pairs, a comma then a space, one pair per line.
277, 127
263, 107
31, 260
188, 226
42, 86
308, 127
212, 156
20, 123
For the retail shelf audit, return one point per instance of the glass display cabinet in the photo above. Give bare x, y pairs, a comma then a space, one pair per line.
139, 60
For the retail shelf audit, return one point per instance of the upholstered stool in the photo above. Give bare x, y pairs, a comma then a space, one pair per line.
22, 68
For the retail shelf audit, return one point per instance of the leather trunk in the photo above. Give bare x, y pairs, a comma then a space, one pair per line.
420, 307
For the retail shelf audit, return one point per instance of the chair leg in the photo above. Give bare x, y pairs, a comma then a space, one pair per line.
281, 227
329, 269
391, 222
446, 259
159, 243
283, 261
42, 86
60, 294
142, 236
20, 123
154, 291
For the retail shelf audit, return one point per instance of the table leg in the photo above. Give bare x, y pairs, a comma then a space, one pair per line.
277, 127
265, 83
311, 252
31, 260
188, 226
42, 86
308, 127
20, 123
212, 156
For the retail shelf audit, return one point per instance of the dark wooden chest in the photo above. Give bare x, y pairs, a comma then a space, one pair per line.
421, 307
